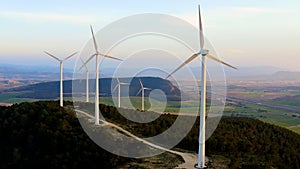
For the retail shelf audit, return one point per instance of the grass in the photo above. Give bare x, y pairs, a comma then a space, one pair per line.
272, 116
296, 129
7, 96
268, 115
294, 103
150, 104
276, 115
12, 97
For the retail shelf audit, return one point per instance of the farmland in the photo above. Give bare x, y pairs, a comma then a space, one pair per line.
278, 104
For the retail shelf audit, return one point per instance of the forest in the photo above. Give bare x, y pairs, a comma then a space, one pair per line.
43, 135
248, 143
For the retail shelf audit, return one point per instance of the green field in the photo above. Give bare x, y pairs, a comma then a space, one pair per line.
273, 116
13, 98
294, 103
150, 104
295, 129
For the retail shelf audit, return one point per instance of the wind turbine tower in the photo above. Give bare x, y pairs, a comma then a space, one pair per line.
87, 81
143, 94
96, 55
61, 61
119, 91
204, 53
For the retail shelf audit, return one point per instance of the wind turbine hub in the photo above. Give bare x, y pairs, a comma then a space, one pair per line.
204, 52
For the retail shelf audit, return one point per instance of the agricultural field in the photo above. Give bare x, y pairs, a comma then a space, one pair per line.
150, 104
272, 116
12, 98
275, 105
234, 109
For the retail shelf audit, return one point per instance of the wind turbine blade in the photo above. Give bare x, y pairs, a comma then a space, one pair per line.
184, 63
69, 56
118, 80
107, 56
139, 91
200, 29
145, 88
141, 83
94, 39
84, 64
220, 61
116, 87
81, 60
53, 56
82, 77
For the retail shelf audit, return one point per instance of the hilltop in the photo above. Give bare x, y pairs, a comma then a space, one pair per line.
50, 90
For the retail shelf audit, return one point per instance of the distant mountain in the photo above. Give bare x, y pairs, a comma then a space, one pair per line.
252, 71
51, 72
20, 75
241, 73
276, 76
39, 68
50, 90
25, 72
286, 75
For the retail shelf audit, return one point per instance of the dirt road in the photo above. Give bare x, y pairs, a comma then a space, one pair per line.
189, 159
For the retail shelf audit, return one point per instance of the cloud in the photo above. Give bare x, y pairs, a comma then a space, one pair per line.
45, 17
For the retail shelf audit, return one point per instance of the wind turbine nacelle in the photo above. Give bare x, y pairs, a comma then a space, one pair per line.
204, 52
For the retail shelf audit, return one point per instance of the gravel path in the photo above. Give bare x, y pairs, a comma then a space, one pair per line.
189, 159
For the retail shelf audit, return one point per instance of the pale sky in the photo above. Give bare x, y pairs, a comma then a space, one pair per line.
244, 32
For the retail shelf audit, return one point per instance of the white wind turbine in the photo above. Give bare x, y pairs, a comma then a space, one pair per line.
204, 53
143, 94
61, 61
87, 81
96, 54
119, 91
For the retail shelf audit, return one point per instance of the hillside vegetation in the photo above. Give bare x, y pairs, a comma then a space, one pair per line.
42, 135
50, 90
248, 143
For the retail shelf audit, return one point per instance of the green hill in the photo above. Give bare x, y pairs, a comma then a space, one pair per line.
50, 90
42, 135
248, 143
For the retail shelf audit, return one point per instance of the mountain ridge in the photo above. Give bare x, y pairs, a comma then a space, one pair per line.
50, 90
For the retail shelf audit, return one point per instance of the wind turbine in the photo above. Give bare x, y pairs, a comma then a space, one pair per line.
119, 91
143, 94
61, 61
205, 53
87, 81
96, 55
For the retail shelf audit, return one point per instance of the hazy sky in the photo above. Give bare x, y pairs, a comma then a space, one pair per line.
244, 32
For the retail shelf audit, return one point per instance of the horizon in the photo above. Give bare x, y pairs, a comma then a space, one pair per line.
19, 72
